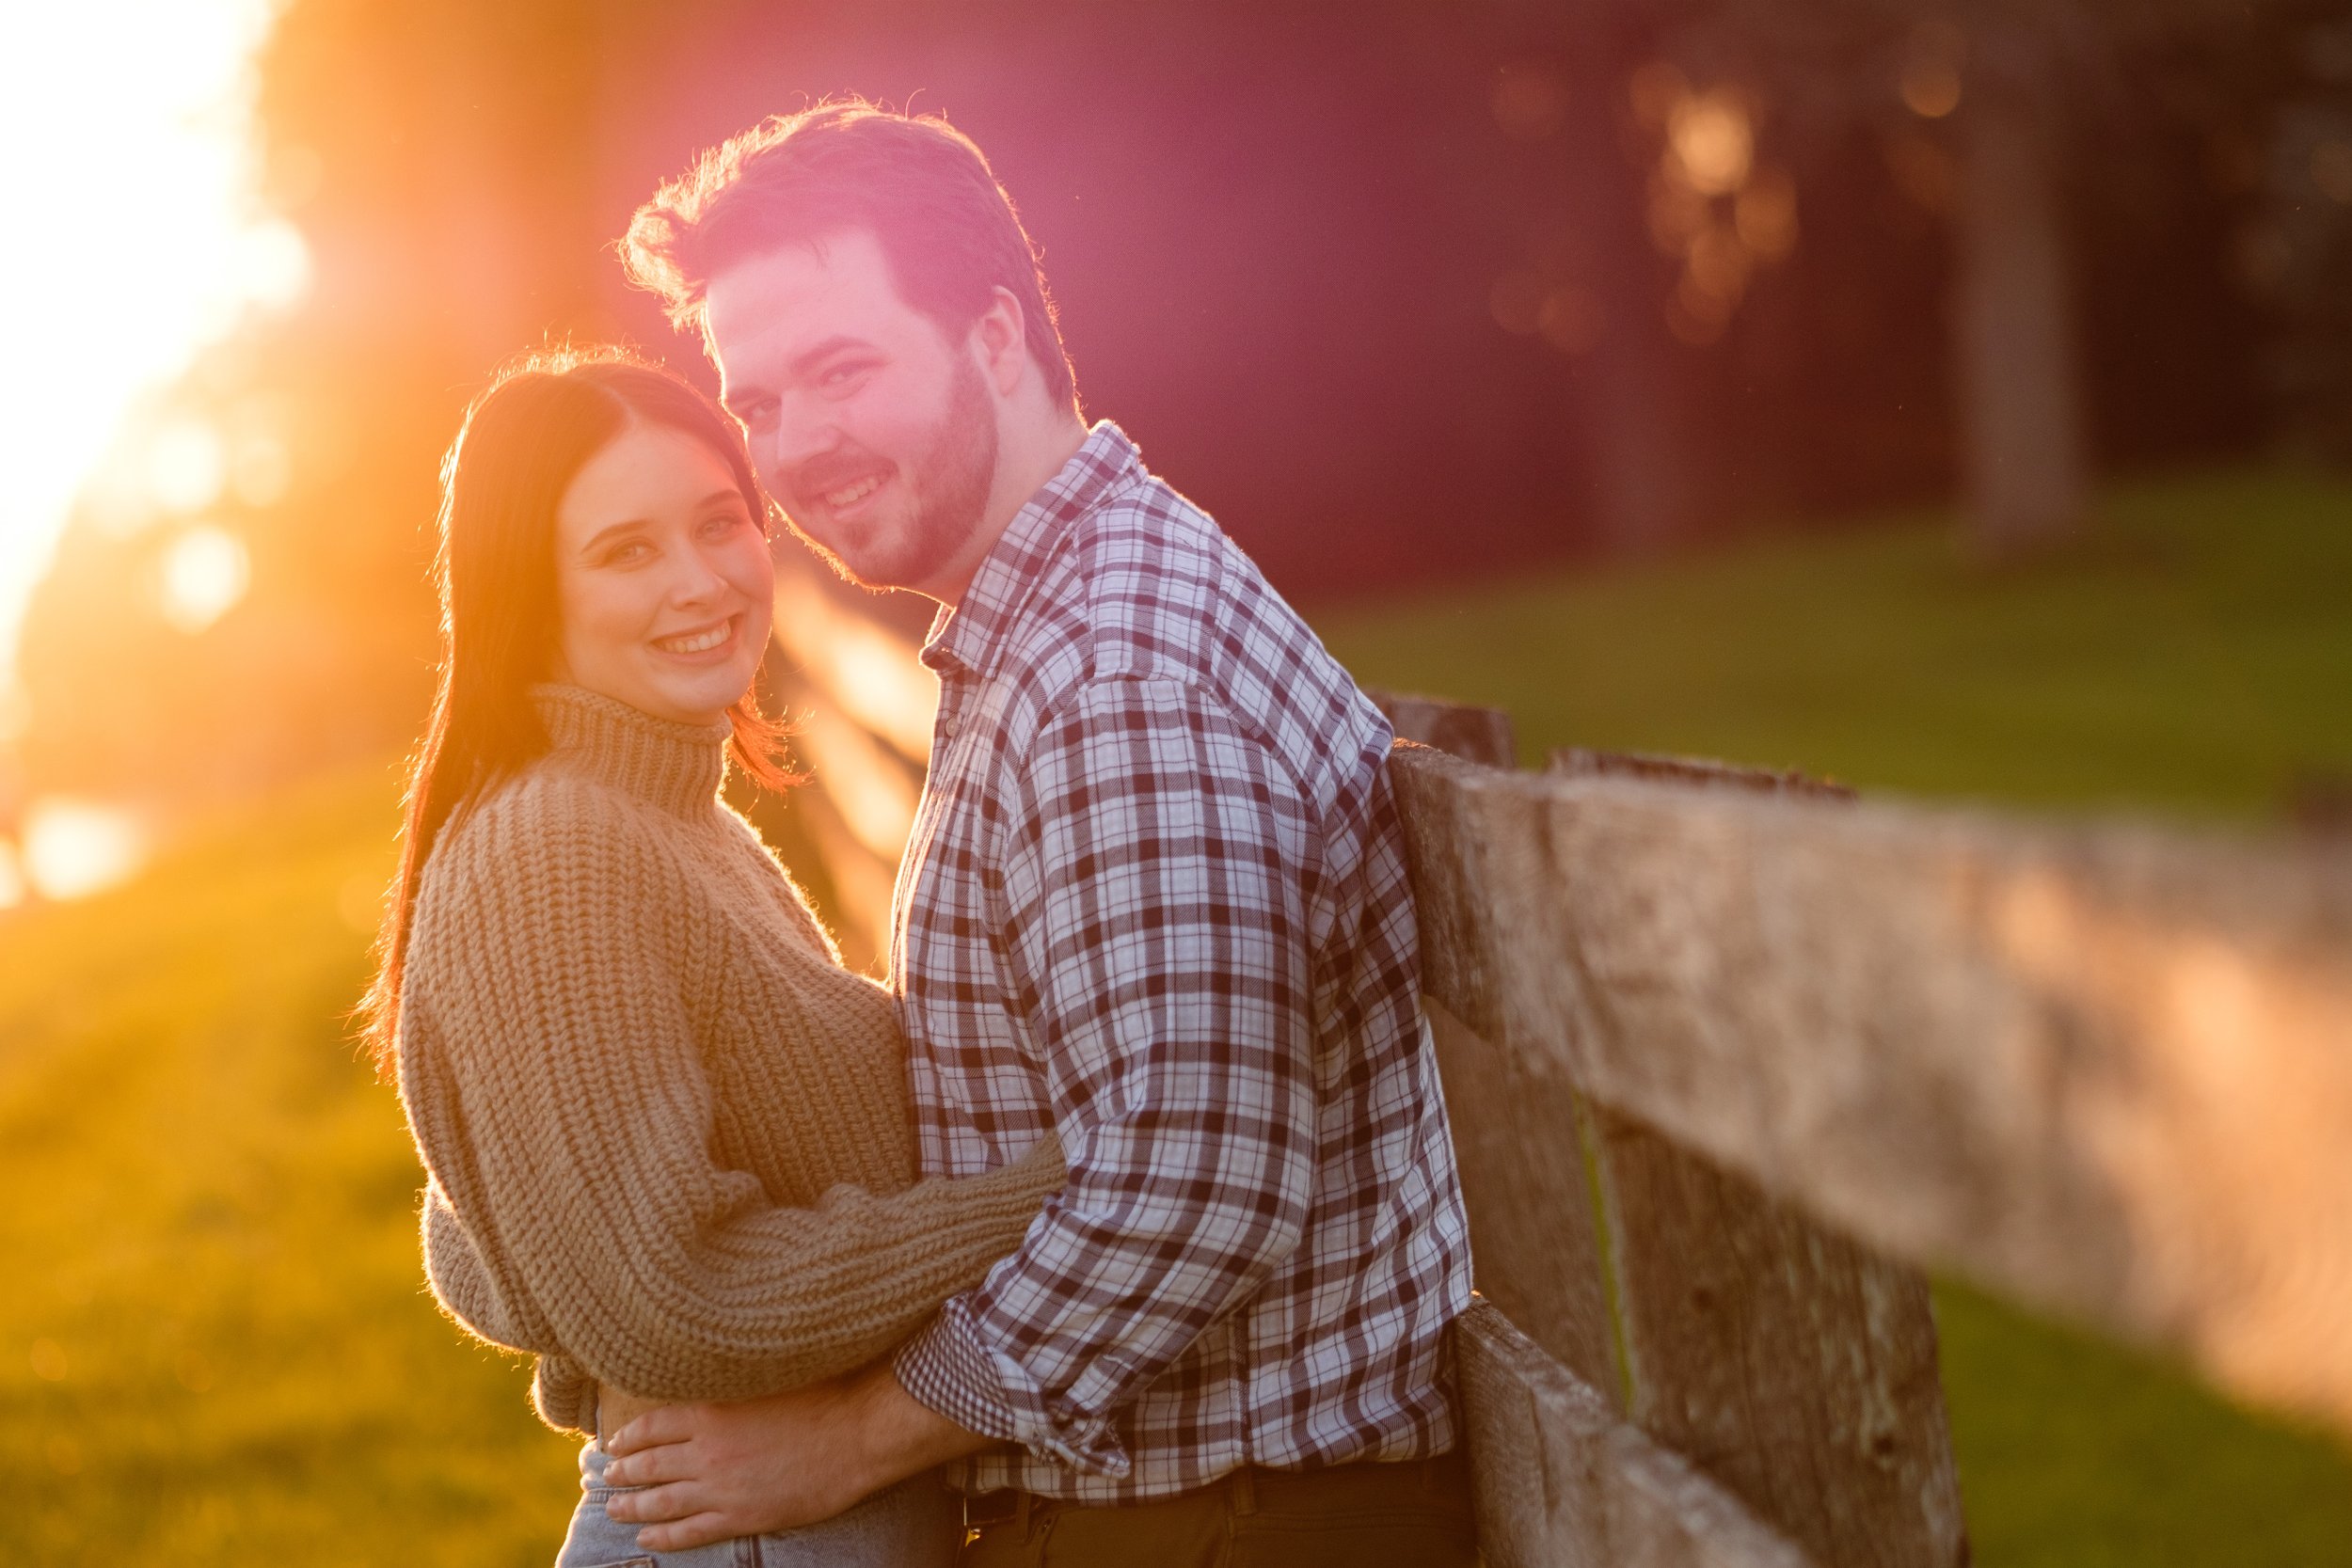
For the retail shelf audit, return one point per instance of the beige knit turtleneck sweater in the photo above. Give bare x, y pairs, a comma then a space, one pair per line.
667, 1133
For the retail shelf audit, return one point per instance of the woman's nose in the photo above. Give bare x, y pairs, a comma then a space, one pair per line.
696, 580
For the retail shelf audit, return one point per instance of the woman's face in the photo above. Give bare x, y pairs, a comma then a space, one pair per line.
662, 577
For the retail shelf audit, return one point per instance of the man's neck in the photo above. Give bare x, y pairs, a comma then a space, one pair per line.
1025, 463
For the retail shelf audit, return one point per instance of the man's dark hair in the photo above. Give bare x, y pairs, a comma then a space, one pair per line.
917, 183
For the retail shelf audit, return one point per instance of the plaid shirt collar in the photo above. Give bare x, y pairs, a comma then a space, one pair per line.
970, 635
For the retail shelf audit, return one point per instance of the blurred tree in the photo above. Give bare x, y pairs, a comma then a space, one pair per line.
1996, 91
2297, 252
1603, 300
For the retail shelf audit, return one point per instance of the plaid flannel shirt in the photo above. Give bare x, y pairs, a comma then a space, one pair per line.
1155, 898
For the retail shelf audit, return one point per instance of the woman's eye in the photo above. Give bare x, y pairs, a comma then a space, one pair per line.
629, 554
719, 524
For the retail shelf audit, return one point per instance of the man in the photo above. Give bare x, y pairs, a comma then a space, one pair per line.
1155, 899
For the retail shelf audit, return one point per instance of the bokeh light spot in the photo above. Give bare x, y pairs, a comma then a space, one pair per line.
206, 572
1714, 142
1930, 89
72, 850
185, 467
1929, 82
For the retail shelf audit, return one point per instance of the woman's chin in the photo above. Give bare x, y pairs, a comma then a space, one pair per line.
697, 697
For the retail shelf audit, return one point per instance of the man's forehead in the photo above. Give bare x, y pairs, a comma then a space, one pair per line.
771, 306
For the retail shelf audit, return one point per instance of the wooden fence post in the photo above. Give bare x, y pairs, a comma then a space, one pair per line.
1796, 1367
1517, 1148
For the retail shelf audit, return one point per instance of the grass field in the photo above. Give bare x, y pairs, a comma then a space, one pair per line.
217, 1350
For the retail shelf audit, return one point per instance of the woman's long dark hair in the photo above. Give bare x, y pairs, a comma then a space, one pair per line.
522, 441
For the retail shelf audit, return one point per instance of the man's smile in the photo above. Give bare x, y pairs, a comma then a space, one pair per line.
853, 493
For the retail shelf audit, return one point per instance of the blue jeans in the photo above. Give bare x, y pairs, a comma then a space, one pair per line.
916, 1524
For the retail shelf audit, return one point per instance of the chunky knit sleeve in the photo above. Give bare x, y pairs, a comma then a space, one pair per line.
464, 1283
461, 1278
554, 972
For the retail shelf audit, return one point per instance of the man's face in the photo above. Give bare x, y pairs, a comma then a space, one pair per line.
875, 432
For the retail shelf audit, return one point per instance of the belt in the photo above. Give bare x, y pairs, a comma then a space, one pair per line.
1447, 1472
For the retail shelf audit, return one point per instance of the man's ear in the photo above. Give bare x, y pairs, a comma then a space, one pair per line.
1003, 341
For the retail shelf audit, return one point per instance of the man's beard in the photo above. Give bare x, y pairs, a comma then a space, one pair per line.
951, 483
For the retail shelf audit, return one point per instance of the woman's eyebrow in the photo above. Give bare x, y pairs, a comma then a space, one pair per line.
629, 525
724, 493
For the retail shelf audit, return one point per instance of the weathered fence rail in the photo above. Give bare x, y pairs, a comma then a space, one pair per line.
1732, 1056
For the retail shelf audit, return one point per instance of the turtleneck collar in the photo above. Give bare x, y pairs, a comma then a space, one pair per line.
677, 766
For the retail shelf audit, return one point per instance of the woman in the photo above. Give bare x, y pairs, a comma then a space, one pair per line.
667, 1132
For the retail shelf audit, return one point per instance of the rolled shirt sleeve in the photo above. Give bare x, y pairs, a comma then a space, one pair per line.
1156, 941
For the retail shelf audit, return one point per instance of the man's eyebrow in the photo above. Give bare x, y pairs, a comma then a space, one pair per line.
807, 358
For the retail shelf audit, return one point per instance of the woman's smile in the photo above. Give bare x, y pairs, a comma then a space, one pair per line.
711, 644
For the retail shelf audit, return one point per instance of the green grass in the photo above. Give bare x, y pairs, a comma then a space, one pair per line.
2193, 654
215, 1345
2192, 658
217, 1349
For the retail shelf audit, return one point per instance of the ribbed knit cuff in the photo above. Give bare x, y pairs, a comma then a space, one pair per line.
950, 1370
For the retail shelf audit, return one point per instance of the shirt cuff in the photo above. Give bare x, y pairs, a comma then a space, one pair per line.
951, 1372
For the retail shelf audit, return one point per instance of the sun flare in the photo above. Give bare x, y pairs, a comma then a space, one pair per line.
128, 128
128, 147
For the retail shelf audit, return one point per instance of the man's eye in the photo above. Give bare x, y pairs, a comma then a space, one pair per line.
841, 376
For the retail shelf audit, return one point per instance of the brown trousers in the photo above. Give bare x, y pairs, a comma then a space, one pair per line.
1366, 1515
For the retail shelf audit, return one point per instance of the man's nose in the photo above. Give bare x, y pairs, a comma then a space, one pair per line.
802, 431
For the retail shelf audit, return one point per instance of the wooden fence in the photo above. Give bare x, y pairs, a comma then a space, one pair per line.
1731, 1055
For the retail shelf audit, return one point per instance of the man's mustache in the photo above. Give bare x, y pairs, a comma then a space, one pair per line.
832, 470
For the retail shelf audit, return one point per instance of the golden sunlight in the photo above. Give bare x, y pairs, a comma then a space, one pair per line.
133, 142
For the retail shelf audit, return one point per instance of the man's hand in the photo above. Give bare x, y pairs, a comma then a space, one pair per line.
711, 1472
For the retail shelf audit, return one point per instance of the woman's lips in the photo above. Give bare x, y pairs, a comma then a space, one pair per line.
711, 644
